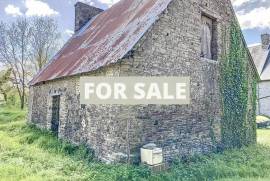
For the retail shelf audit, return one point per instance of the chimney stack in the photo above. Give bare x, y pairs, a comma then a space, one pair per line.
265, 40
83, 14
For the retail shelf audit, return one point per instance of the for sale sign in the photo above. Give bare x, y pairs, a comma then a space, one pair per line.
135, 90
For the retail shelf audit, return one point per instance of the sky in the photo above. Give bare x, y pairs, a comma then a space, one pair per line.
253, 15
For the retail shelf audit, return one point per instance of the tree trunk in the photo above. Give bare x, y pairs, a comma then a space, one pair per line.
23, 97
5, 96
22, 102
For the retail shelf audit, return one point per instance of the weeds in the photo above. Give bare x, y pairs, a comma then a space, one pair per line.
28, 153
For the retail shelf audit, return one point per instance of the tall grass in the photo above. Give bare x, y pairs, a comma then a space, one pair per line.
27, 153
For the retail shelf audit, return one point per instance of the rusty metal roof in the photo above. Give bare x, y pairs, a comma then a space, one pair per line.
103, 40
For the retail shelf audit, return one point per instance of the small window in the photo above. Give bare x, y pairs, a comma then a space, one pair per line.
208, 38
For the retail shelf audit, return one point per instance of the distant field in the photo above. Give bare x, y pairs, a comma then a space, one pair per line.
27, 153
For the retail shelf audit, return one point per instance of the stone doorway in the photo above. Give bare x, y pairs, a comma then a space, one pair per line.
55, 114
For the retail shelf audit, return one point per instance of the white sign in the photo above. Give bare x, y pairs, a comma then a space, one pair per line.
135, 90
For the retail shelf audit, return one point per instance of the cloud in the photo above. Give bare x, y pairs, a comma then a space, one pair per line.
108, 2
238, 3
69, 32
38, 8
253, 14
256, 18
90, 2
13, 10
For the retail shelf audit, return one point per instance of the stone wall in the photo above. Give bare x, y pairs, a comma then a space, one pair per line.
264, 96
170, 48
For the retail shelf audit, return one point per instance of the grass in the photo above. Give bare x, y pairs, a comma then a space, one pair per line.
27, 153
264, 136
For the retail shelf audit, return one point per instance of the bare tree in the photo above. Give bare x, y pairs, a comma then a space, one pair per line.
45, 40
24, 44
15, 52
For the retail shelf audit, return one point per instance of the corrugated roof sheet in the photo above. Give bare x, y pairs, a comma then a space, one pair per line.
104, 40
261, 58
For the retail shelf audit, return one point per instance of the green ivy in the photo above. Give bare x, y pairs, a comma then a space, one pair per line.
253, 130
237, 124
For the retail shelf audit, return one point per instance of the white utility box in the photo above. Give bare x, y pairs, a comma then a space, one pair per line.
151, 155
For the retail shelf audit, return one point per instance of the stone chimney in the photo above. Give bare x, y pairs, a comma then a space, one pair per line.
84, 13
265, 40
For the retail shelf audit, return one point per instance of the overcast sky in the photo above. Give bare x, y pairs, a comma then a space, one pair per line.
253, 15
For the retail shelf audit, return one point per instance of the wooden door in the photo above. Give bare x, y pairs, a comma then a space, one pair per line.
55, 114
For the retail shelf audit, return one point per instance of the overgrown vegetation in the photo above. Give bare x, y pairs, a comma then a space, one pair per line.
27, 153
238, 122
8, 94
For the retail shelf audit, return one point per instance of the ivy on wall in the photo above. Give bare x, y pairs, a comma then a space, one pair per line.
238, 118
252, 132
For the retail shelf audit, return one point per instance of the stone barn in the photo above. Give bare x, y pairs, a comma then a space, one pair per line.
261, 57
139, 38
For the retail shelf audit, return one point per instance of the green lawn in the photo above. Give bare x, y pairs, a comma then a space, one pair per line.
27, 153
264, 136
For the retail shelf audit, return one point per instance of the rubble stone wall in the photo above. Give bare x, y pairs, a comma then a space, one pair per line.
170, 48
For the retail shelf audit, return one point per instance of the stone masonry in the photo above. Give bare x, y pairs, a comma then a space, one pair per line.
83, 14
171, 47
